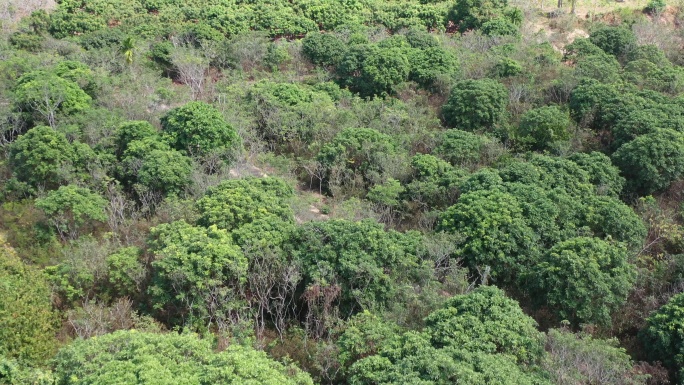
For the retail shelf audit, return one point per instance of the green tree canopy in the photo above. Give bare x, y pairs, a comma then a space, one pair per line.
541, 127
197, 274
200, 129
323, 48
236, 202
616, 41
495, 230
584, 280
486, 320
653, 161
360, 259
46, 95
663, 335
131, 357
475, 104
42, 157
71, 209
29, 324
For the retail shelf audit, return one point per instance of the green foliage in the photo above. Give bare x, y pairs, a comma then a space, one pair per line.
125, 271
507, 67
655, 6
358, 153
360, 261
649, 52
429, 64
479, 338
495, 231
486, 320
476, 104
42, 157
234, 203
602, 67
71, 209
589, 360
610, 217
130, 131
652, 162
434, 183
200, 129
461, 148
197, 274
45, 95
584, 280
500, 26
602, 173
472, 14
364, 335
165, 171
131, 357
541, 127
372, 70
323, 48
29, 323
663, 335
580, 48
616, 41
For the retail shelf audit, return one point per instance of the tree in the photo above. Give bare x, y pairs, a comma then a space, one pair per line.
583, 280
472, 14
357, 153
475, 104
46, 94
362, 262
608, 217
541, 127
435, 182
132, 357
372, 70
486, 320
42, 157
431, 63
29, 322
197, 275
234, 203
602, 67
602, 173
617, 41
167, 172
495, 231
663, 335
478, 338
199, 129
588, 360
323, 48
652, 162
131, 131
461, 148
71, 209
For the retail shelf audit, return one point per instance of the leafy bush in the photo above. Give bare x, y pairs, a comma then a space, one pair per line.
617, 41
663, 335
128, 357
199, 129
476, 104
70, 209
541, 127
196, 275
584, 280
234, 203
653, 161
29, 322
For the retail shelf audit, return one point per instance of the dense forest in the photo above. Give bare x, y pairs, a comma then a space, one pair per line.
348, 192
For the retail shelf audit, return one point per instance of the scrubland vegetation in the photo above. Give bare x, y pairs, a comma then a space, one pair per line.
352, 192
